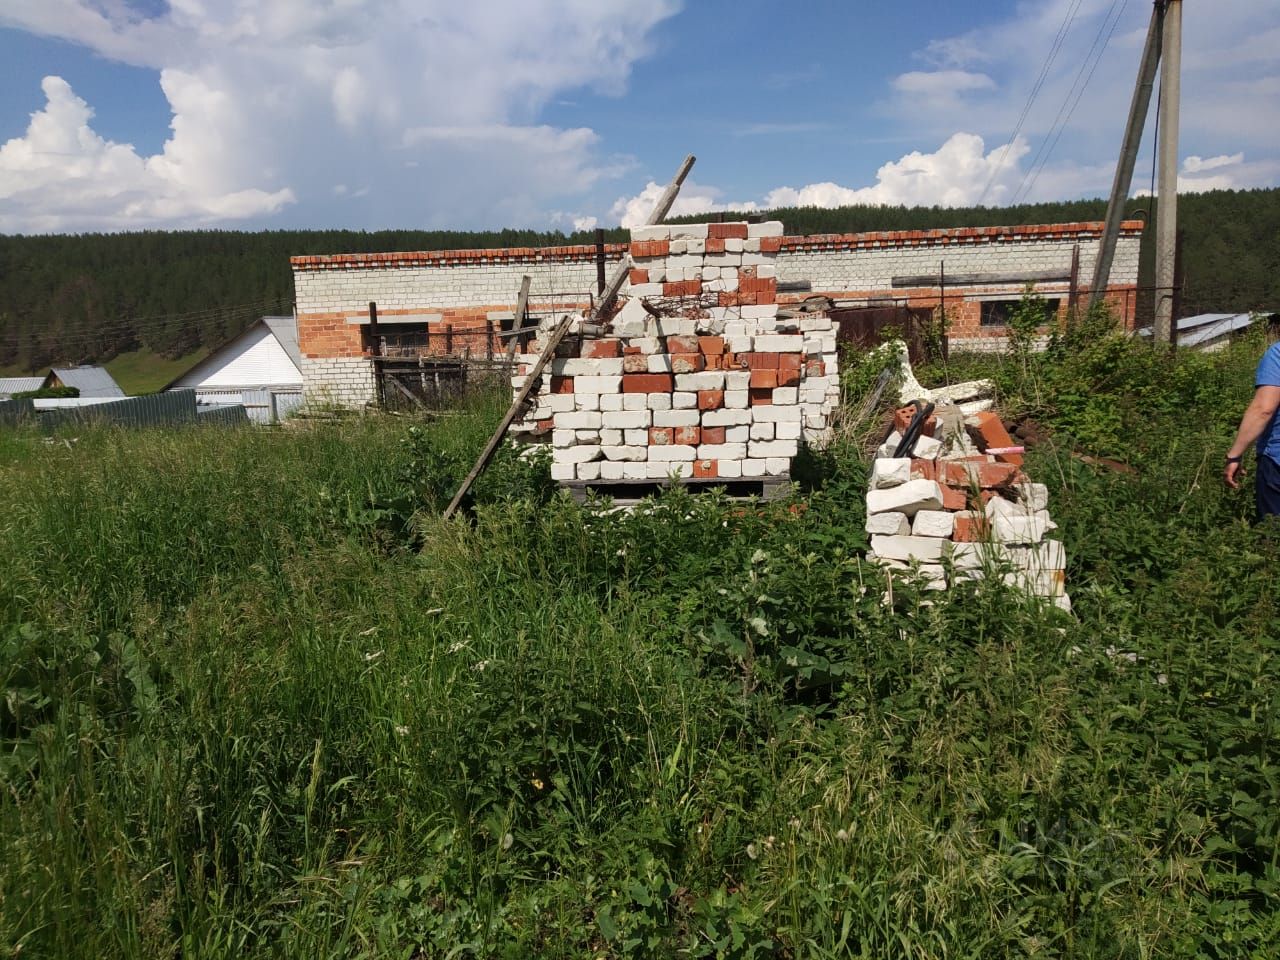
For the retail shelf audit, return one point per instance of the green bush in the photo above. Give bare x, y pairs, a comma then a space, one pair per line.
47, 393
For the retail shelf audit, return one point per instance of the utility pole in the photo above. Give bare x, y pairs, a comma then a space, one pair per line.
1138, 109
1167, 177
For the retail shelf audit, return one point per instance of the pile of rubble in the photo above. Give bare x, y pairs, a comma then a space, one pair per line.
697, 375
956, 503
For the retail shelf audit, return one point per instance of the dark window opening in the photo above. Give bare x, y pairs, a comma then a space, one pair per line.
996, 313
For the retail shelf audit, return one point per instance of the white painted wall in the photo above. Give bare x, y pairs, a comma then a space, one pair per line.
254, 359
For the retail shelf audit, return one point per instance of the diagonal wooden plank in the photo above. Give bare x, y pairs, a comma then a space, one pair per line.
660, 210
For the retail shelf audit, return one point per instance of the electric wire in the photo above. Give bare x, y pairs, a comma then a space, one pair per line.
1054, 49
1068, 107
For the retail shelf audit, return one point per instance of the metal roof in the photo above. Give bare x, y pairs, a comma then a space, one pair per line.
1207, 327
89, 380
12, 385
286, 331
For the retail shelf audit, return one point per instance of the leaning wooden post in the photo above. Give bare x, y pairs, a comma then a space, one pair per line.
534, 377
375, 348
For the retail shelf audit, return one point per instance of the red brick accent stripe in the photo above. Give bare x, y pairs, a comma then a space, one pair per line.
455, 258
614, 251
955, 236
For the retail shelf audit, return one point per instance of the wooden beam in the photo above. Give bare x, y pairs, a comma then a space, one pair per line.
534, 378
964, 279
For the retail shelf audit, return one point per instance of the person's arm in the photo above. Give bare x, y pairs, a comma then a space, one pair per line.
1261, 409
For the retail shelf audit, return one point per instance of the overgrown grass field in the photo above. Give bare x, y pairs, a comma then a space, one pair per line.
259, 700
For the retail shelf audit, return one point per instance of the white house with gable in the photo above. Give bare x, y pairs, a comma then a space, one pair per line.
260, 368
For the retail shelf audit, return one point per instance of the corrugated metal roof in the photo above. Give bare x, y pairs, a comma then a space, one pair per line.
11, 385
286, 331
258, 357
1206, 327
89, 380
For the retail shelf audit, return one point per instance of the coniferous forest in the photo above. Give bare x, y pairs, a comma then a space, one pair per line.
90, 297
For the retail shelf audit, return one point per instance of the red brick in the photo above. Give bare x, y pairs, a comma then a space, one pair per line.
541, 427
706, 469
953, 498
714, 362
764, 379
635, 363
993, 434
682, 288
815, 368
650, 248
713, 434
638, 276
562, 384
714, 245
631, 351
737, 361
661, 436
712, 346
924, 469
727, 231
903, 416
710, 399
790, 361
970, 528
647, 383
688, 436
682, 344
762, 361
602, 349
962, 473
770, 244
761, 397
788, 378
687, 362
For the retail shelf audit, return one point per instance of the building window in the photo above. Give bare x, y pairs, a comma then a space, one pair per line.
996, 313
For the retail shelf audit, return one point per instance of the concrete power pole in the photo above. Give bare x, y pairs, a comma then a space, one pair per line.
1138, 109
1167, 177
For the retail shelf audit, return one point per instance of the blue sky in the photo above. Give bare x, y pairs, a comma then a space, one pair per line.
133, 114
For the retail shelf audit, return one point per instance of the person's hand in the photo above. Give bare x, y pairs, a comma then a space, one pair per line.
1232, 475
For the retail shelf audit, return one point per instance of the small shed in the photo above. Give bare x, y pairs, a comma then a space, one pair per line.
261, 368
91, 381
11, 385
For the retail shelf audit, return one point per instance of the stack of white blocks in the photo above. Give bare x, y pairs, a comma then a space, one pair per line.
718, 387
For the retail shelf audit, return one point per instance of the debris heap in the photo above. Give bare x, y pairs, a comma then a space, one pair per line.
960, 502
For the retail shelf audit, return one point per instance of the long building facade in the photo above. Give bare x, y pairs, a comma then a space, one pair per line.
455, 303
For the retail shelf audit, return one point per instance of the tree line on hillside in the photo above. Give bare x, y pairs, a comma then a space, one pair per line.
89, 297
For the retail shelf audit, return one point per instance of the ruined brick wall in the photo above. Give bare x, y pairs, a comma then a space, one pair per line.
460, 290
465, 288
863, 265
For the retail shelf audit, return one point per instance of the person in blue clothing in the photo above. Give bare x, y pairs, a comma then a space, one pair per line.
1261, 423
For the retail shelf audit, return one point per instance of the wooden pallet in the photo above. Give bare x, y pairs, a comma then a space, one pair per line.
631, 492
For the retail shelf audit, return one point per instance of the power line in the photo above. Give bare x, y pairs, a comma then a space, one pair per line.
1054, 49
1065, 112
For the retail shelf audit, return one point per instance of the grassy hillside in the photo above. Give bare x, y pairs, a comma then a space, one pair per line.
259, 700
141, 371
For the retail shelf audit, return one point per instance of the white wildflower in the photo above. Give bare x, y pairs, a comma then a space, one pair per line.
456, 646
402, 730
480, 667
370, 657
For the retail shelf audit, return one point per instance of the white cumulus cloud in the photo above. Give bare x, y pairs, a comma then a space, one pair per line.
433, 104
62, 175
957, 174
